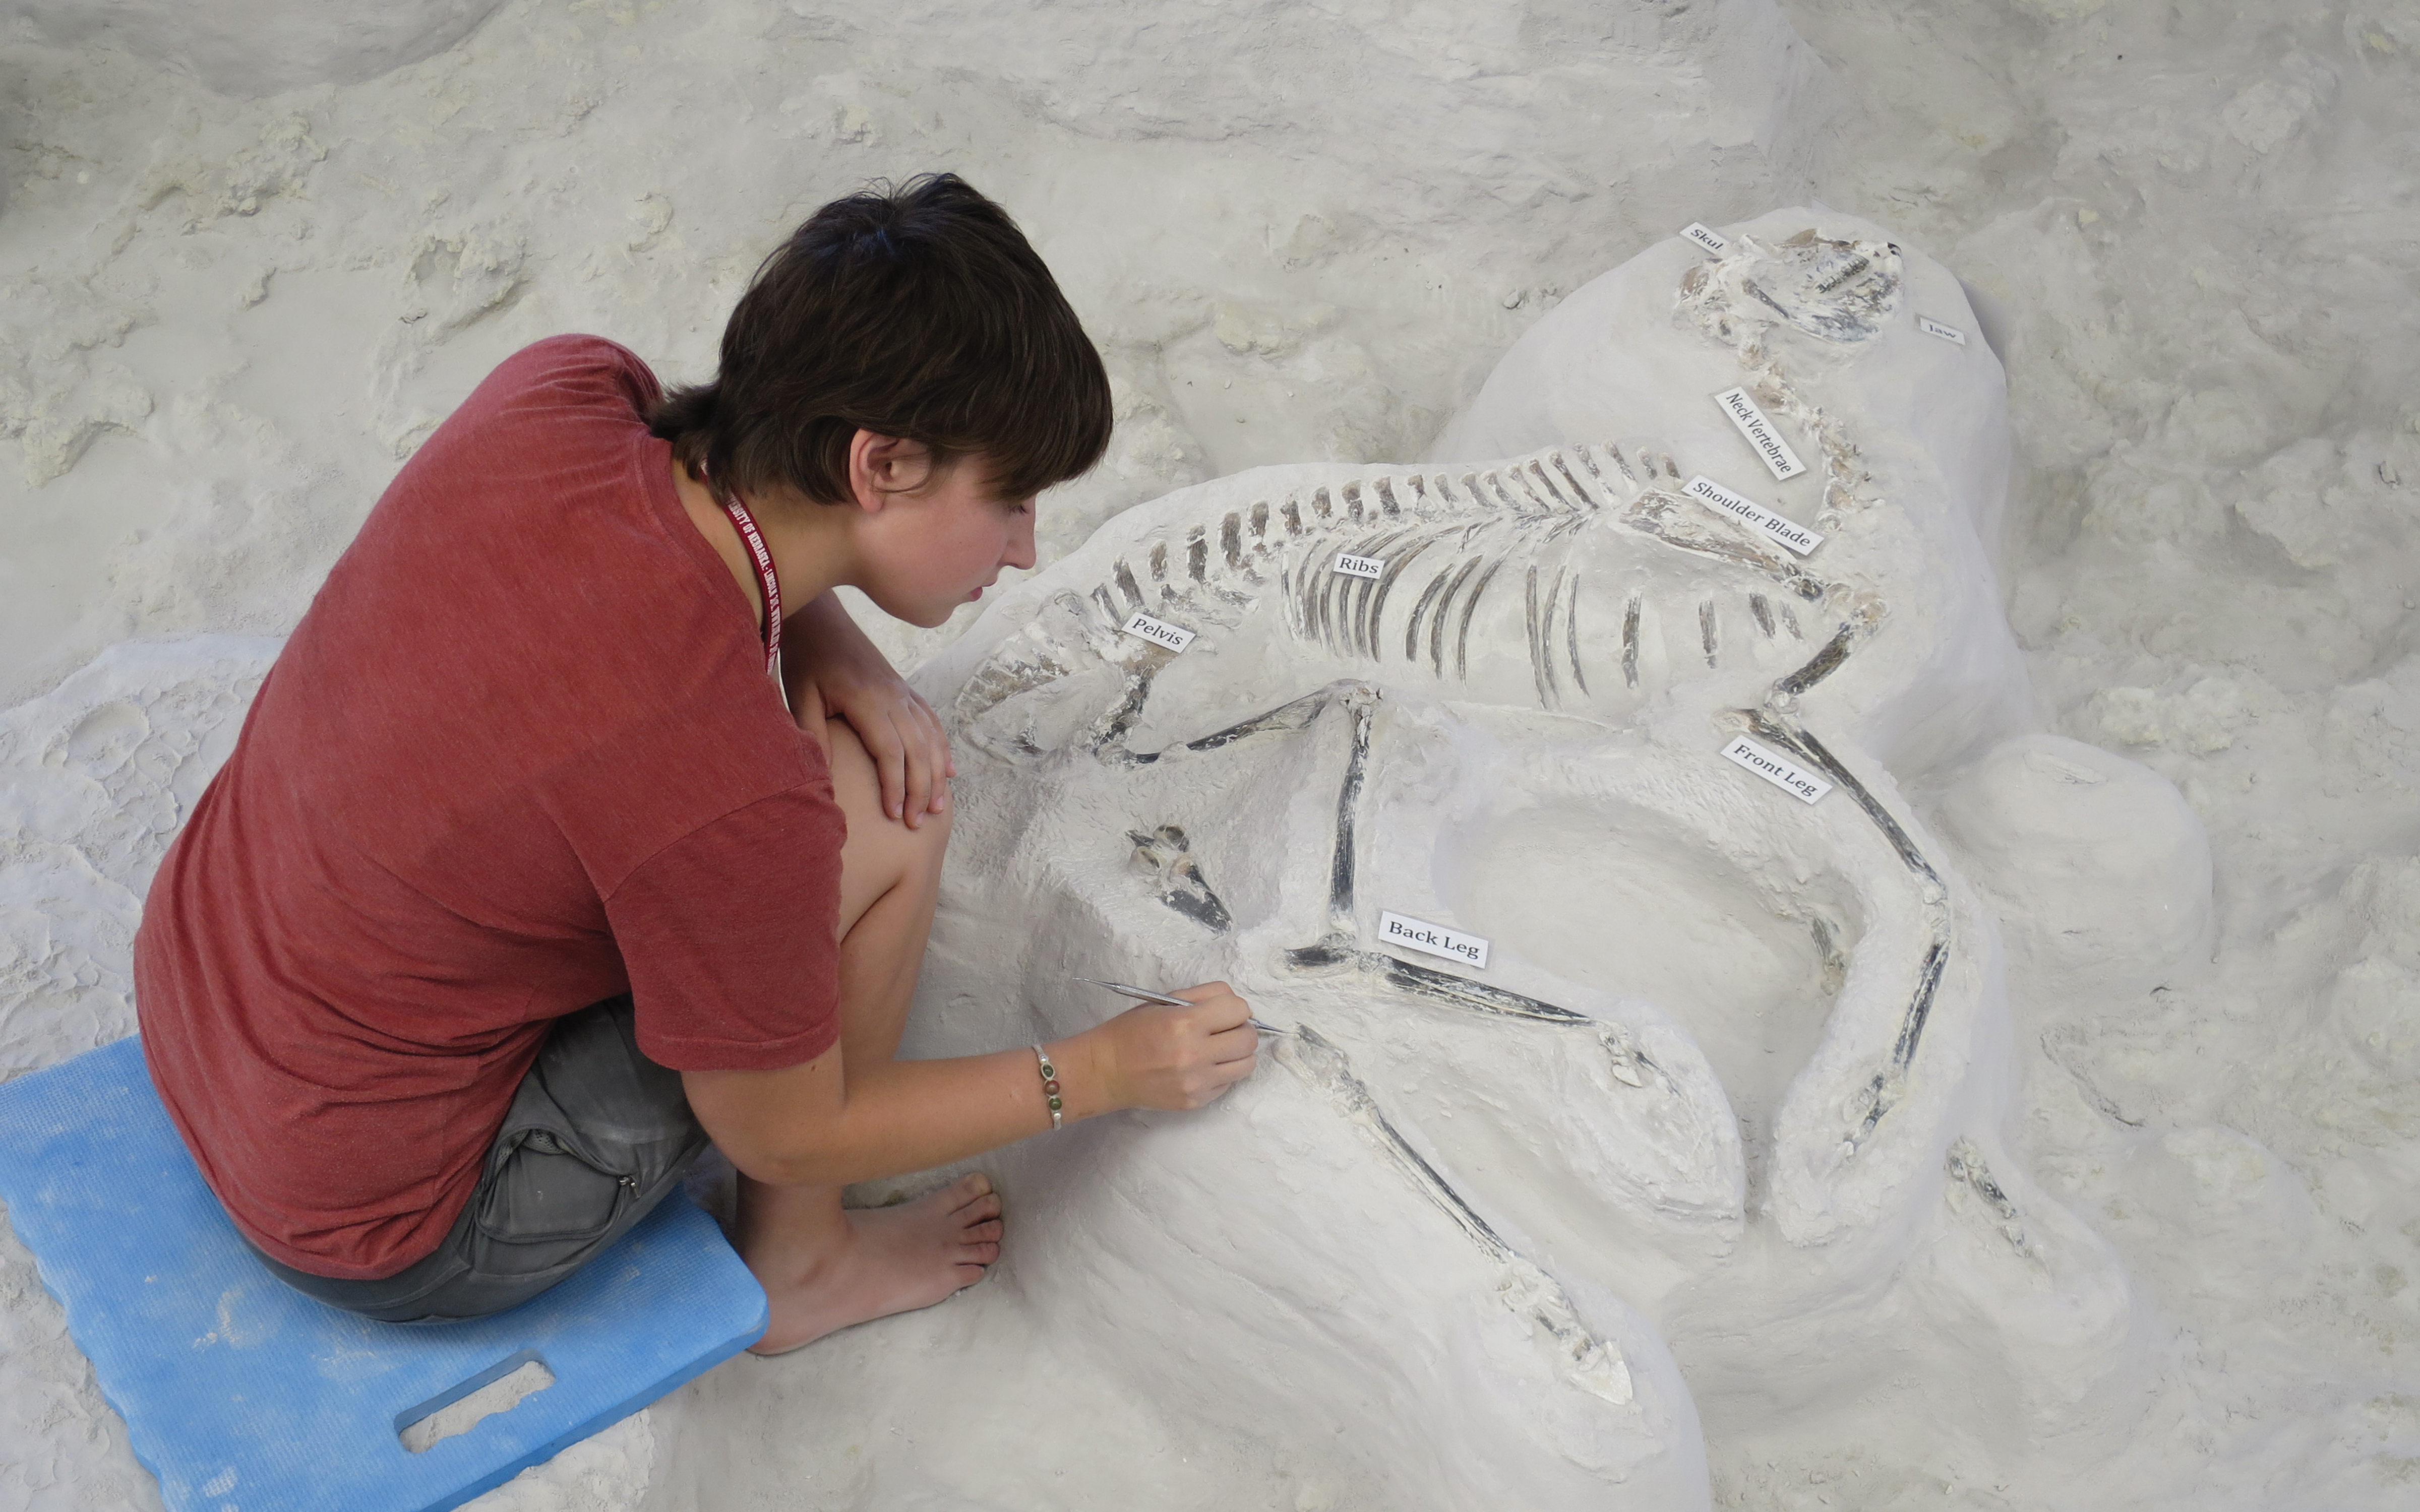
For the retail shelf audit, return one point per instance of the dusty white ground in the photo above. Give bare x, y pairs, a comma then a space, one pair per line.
1306, 231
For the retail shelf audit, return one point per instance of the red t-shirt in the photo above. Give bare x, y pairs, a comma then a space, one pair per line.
520, 755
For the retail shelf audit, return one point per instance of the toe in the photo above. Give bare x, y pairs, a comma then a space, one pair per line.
978, 1254
973, 1186
980, 1233
979, 1209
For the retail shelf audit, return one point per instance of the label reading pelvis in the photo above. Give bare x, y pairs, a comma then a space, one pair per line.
1432, 939
1777, 769
1353, 566
1704, 236
1934, 328
1789, 532
1158, 632
1770, 448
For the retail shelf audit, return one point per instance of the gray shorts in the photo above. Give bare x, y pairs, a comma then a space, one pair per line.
595, 1138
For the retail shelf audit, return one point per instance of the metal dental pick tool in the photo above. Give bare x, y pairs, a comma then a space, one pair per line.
1147, 995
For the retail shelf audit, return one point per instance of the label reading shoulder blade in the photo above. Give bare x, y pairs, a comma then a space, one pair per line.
1934, 328
1705, 236
1432, 939
1789, 532
1777, 769
1778, 459
1158, 632
1353, 566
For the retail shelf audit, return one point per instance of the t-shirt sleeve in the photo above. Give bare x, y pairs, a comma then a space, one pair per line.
730, 937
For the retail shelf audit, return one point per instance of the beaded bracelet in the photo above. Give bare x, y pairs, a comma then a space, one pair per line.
1050, 1082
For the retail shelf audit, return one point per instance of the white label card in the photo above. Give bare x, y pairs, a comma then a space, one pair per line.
1705, 236
1432, 939
1158, 632
1790, 533
1353, 566
1934, 328
1777, 769
1778, 459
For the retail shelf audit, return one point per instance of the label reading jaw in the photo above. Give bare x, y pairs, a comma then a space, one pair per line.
1934, 328
1705, 236
1431, 939
1353, 566
1789, 532
1777, 769
1762, 437
1158, 632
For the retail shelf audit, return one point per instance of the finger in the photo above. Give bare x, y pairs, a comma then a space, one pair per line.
890, 761
1241, 1043
917, 764
938, 745
1204, 992
1219, 1014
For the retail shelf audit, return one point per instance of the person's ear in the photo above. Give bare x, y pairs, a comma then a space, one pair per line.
881, 465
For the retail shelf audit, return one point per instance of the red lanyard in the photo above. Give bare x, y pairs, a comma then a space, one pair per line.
765, 579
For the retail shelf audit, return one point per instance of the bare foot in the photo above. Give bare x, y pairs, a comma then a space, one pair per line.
882, 1260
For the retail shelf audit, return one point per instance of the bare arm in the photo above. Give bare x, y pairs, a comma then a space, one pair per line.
823, 1123
829, 667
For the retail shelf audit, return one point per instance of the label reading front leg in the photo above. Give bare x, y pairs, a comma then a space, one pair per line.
1777, 769
1432, 939
1762, 434
1158, 632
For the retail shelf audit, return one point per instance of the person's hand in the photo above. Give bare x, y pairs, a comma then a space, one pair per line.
832, 670
1155, 1056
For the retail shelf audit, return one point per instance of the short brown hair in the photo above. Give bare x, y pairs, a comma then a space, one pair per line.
918, 311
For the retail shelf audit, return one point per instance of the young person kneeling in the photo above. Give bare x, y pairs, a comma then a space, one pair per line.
526, 881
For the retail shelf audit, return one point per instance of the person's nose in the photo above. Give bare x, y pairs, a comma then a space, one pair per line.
1020, 546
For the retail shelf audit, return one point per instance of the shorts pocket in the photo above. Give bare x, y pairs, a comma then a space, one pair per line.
546, 1202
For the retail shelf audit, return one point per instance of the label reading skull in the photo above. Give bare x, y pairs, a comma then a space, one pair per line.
1705, 236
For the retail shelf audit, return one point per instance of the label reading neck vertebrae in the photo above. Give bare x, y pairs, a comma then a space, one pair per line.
1934, 328
1777, 769
1432, 939
1771, 449
1789, 532
1158, 632
1705, 236
1353, 566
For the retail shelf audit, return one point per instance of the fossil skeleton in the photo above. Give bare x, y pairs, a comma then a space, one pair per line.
1576, 589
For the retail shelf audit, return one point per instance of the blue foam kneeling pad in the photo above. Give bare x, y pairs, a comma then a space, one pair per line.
242, 1395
